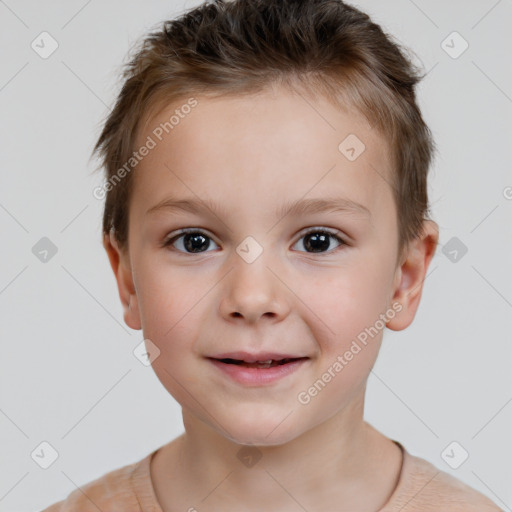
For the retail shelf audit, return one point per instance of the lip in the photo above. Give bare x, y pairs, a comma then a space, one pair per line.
258, 376
253, 358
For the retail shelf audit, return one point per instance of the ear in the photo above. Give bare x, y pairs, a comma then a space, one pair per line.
411, 273
120, 263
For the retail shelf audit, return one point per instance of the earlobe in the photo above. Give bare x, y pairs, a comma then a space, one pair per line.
411, 275
120, 263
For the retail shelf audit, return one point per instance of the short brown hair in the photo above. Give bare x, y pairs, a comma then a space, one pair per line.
236, 47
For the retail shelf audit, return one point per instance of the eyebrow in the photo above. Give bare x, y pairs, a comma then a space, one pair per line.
298, 207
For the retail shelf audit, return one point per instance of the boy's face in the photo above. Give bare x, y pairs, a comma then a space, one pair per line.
306, 296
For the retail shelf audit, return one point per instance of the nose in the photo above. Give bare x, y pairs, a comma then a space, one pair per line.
252, 291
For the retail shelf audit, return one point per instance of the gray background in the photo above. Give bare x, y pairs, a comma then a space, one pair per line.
68, 375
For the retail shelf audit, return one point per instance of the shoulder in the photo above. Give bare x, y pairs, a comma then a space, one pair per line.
424, 487
113, 488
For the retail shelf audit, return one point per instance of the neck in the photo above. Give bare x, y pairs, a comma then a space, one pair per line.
342, 458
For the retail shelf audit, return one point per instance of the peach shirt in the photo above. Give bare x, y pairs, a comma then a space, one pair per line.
421, 488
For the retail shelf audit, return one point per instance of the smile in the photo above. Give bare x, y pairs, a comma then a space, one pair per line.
259, 372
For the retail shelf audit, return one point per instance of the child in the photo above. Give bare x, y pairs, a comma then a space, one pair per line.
266, 217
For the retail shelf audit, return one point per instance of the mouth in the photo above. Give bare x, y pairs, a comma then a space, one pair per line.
269, 363
258, 369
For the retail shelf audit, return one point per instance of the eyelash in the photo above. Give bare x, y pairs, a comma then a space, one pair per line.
168, 242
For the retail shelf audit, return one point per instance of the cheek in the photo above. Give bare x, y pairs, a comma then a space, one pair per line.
170, 309
350, 343
352, 300
169, 306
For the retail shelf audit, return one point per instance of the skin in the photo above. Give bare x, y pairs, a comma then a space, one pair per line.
249, 155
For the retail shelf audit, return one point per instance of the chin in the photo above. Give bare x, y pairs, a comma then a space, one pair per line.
273, 432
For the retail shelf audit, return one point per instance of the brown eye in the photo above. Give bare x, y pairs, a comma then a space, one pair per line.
319, 241
190, 242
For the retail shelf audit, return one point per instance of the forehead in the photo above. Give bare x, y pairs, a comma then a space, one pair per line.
259, 147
